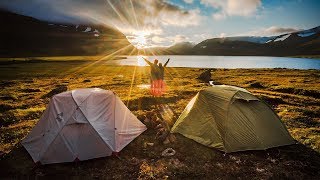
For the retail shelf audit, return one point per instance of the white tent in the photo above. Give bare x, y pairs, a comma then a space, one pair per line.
82, 124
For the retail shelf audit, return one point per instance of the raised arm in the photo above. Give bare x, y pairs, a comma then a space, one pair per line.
146, 60
166, 63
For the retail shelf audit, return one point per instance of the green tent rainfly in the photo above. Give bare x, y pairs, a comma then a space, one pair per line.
231, 119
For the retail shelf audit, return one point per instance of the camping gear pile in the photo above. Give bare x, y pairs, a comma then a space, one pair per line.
90, 123
162, 128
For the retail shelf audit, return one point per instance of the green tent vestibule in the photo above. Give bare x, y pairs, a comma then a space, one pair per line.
231, 119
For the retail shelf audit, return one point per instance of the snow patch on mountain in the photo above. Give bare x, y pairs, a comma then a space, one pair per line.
254, 39
306, 34
88, 29
282, 38
269, 41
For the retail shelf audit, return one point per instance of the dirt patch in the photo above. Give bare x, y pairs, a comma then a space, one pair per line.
297, 91
86, 80
8, 97
7, 118
56, 90
272, 100
256, 85
30, 90
4, 84
6, 107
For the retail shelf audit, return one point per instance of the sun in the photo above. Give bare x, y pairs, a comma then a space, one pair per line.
140, 39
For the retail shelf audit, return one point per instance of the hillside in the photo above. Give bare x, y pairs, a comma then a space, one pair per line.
298, 43
181, 48
26, 36
23, 36
305, 42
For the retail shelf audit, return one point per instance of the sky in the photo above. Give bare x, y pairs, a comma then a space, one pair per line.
150, 23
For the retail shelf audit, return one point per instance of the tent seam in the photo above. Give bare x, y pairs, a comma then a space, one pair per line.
96, 130
215, 124
227, 113
114, 119
260, 142
228, 107
58, 131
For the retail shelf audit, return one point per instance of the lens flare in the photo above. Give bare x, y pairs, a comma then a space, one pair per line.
139, 39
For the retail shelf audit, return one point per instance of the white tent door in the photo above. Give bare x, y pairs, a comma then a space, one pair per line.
85, 142
58, 151
76, 141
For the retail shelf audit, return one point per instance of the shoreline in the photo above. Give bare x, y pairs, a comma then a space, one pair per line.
6, 64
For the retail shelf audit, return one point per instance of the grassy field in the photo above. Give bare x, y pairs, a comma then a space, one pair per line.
294, 95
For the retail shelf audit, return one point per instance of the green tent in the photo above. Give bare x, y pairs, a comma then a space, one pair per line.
231, 119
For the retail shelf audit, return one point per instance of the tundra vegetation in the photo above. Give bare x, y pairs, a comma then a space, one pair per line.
26, 86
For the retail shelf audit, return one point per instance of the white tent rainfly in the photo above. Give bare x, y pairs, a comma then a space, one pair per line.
82, 124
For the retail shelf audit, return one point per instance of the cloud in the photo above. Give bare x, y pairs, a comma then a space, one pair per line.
179, 38
158, 39
225, 8
132, 14
279, 30
219, 16
188, 1
200, 37
271, 31
222, 35
192, 19
170, 40
153, 17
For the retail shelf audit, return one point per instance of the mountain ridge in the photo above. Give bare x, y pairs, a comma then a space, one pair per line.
26, 36
305, 42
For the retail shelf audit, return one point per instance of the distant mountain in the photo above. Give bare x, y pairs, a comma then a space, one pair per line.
181, 48
177, 49
254, 39
26, 36
153, 51
298, 43
306, 42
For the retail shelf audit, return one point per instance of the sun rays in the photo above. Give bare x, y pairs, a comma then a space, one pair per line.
140, 39
140, 46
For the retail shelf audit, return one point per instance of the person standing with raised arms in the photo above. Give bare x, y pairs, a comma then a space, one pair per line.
157, 77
